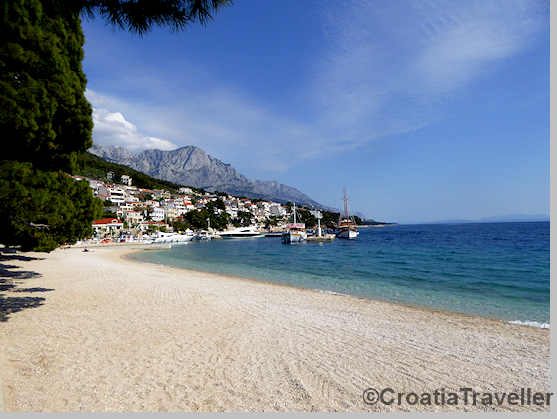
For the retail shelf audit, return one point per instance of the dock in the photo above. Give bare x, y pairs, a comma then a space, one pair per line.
274, 234
323, 238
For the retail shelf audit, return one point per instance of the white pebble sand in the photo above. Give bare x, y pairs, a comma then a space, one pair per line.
113, 334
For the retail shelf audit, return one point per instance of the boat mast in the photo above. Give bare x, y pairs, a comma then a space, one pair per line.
345, 204
294, 213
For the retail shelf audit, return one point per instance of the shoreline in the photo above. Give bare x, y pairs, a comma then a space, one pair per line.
116, 334
524, 323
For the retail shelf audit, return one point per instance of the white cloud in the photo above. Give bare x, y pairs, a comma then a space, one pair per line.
224, 123
112, 128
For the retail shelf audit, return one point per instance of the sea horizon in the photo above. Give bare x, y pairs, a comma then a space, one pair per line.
543, 219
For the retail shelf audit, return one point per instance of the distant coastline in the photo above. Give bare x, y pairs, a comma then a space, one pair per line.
501, 219
376, 225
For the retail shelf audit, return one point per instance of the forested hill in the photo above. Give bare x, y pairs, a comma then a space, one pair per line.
95, 167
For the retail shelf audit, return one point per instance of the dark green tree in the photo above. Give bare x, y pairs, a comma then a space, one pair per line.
218, 204
304, 216
198, 219
180, 224
141, 15
109, 214
40, 210
330, 219
272, 221
243, 219
45, 119
44, 115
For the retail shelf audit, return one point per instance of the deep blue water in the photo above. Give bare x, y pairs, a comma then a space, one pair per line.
496, 270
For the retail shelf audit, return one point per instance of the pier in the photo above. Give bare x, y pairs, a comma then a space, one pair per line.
322, 238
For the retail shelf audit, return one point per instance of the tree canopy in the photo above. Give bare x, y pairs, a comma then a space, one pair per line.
45, 119
40, 210
44, 113
198, 220
242, 219
141, 15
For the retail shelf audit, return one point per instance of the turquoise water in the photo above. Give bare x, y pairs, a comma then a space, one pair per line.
496, 270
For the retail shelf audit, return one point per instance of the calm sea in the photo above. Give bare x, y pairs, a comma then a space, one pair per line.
495, 270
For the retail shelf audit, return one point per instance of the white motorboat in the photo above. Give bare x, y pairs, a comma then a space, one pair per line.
173, 237
242, 233
203, 235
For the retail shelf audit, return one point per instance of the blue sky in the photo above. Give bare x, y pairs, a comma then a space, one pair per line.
424, 110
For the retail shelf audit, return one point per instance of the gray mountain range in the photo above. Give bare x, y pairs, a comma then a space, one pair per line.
192, 166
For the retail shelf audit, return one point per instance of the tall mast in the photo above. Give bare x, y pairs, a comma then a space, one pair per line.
294, 213
345, 204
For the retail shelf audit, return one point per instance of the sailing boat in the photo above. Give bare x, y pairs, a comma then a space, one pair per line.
295, 232
346, 226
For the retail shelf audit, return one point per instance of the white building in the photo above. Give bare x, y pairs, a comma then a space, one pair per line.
158, 214
144, 225
126, 180
107, 227
161, 194
277, 210
117, 195
233, 212
133, 217
152, 203
122, 209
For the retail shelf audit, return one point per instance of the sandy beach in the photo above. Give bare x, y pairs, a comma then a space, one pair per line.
98, 332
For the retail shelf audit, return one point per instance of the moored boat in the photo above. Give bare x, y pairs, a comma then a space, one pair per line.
241, 233
203, 235
163, 237
347, 226
295, 232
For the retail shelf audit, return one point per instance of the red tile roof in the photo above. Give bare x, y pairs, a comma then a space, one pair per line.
106, 221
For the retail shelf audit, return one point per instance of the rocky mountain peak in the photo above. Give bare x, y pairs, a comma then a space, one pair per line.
192, 166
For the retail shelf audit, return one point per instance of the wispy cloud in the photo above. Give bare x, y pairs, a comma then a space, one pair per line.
390, 65
385, 68
466, 38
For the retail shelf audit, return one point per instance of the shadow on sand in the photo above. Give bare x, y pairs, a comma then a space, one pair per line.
11, 280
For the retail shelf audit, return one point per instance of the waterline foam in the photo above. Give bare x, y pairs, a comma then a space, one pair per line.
531, 323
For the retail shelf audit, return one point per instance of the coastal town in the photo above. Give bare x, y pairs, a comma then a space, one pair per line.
134, 214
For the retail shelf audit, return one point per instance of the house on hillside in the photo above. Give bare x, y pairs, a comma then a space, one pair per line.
133, 217
126, 180
107, 227
154, 225
158, 214
117, 195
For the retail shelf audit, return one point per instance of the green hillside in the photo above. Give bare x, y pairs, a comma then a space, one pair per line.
95, 167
